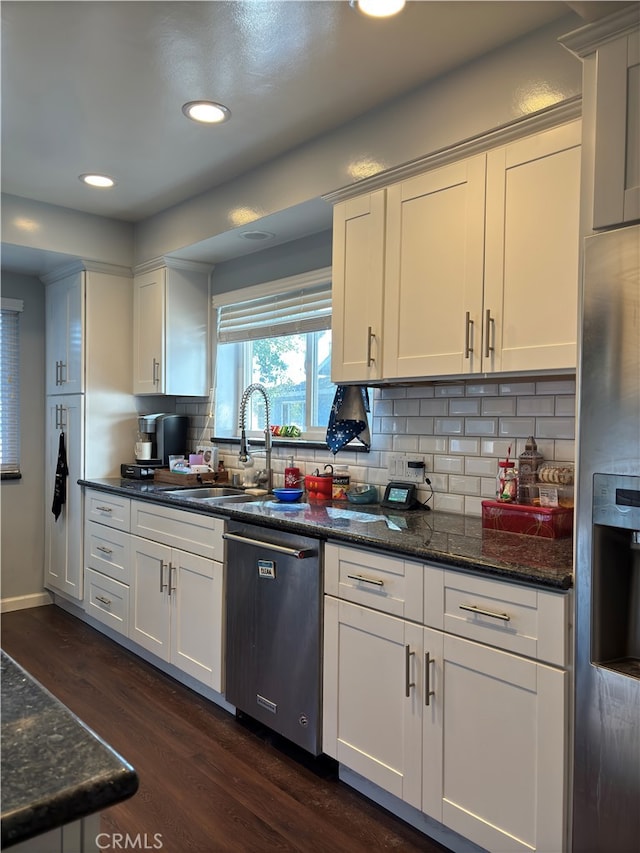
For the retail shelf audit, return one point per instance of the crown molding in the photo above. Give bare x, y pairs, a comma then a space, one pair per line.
81, 265
588, 39
172, 263
543, 120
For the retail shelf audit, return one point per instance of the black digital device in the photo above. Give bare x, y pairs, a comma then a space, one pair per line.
399, 495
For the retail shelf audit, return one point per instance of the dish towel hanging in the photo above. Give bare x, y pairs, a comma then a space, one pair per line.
348, 418
60, 485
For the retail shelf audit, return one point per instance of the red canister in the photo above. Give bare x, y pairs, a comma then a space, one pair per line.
319, 486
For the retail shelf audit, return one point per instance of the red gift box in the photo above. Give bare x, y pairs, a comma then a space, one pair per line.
550, 522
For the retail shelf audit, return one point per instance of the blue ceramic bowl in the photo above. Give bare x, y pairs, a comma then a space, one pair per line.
288, 494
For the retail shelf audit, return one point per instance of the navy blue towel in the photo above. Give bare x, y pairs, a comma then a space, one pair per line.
348, 418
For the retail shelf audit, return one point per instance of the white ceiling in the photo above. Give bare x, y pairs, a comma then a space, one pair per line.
99, 86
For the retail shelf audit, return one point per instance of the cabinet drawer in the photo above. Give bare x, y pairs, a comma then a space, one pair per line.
107, 550
197, 534
107, 601
384, 583
513, 617
108, 509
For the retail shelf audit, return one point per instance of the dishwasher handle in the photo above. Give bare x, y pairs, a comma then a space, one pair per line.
299, 553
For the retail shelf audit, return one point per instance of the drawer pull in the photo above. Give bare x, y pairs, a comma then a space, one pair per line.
472, 608
103, 600
407, 671
104, 509
104, 549
428, 660
362, 578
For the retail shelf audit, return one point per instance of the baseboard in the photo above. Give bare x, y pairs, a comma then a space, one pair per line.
24, 602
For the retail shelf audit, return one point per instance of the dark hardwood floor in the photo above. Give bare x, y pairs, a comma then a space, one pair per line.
208, 782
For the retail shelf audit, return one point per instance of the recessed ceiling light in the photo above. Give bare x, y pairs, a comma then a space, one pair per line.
257, 235
206, 112
101, 181
378, 8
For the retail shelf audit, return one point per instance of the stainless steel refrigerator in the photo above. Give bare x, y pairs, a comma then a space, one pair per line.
606, 783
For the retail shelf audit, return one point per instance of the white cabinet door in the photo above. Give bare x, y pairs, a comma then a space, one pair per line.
171, 330
372, 708
148, 332
64, 334
196, 617
63, 538
149, 596
434, 270
499, 722
532, 249
357, 288
616, 198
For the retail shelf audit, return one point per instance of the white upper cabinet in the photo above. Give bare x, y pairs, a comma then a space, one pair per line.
610, 51
171, 329
64, 301
357, 291
433, 286
531, 253
480, 261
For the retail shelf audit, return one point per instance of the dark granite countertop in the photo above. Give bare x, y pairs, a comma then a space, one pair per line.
55, 770
455, 541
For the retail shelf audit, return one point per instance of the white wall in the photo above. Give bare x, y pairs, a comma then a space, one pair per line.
23, 501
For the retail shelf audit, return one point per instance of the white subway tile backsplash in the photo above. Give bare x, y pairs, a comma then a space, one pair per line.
565, 405
556, 427
462, 485
481, 426
519, 388
461, 428
536, 405
406, 407
449, 390
433, 444
449, 426
498, 406
481, 389
480, 466
468, 446
449, 464
514, 427
434, 407
464, 406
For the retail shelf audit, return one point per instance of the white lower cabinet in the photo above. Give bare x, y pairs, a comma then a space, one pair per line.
176, 609
468, 733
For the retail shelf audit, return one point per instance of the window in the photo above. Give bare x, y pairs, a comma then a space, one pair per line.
10, 391
278, 335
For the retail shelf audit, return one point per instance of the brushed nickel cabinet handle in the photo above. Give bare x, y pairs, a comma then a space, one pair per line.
362, 578
103, 600
58, 373
104, 509
468, 325
63, 378
172, 569
407, 671
104, 549
472, 608
428, 660
370, 338
156, 371
163, 585
489, 322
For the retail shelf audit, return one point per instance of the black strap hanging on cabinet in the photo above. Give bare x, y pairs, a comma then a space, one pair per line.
60, 485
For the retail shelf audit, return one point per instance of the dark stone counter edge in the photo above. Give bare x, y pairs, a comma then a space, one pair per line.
563, 580
118, 782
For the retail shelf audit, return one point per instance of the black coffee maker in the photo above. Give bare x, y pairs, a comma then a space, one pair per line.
162, 435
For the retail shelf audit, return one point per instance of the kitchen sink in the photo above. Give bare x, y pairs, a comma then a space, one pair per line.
211, 494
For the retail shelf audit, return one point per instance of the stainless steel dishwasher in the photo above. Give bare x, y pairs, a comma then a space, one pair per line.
274, 630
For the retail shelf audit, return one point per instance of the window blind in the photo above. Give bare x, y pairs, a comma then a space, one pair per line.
289, 313
10, 388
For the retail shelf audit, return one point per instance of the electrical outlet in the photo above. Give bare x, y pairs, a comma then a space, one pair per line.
415, 469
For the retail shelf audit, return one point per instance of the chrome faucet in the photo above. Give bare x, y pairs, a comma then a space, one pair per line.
244, 455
